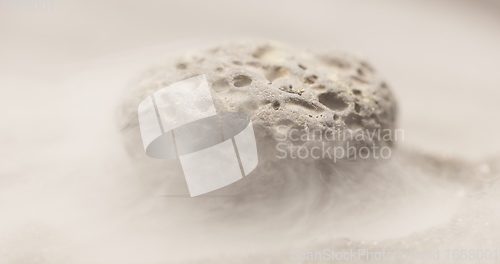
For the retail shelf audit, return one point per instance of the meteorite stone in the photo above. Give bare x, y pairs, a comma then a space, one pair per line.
283, 89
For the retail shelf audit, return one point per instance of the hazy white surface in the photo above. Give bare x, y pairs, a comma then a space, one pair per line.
64, 178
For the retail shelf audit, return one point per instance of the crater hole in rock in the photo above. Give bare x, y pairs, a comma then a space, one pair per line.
360, 72
337, 63
276, 105
332, 101
181, 66
357, 108
242, 81
311, 79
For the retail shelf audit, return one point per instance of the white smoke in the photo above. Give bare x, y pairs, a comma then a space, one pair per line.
71, 193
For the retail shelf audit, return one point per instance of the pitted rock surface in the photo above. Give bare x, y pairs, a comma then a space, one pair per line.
282, 88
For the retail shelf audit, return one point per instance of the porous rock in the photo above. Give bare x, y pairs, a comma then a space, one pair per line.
281, 88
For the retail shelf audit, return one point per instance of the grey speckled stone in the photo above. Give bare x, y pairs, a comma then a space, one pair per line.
281, 87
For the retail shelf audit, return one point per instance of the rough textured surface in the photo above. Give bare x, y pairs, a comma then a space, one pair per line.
281, 87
